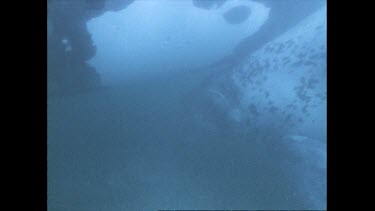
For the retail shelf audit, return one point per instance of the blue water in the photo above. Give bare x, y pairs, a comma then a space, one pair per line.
151, 138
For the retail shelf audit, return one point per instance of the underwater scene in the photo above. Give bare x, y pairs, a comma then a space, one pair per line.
186, 105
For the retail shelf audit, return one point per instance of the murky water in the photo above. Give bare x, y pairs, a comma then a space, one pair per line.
140, 146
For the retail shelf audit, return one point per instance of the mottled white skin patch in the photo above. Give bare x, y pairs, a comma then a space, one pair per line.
283, 102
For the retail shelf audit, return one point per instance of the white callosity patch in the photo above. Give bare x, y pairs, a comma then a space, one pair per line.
166, 36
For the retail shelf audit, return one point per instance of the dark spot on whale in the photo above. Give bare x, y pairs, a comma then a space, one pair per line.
273, 109
304, 109
280, 47
312, 82
253, 109
309, 63
319, 27
237, 14
297, 64
267, 94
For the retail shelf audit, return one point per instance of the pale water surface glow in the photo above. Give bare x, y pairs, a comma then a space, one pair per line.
166, 36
